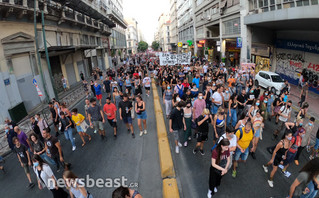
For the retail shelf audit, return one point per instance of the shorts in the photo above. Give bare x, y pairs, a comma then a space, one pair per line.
79, 129
98, 125
127, 120
26, 168
147, 88
107, 90
99, 97
176, 134
257, 133
56, 123
142, 115
277, 160
317, 144
64, 86
112, 123
289, 157
202, 137
239, 154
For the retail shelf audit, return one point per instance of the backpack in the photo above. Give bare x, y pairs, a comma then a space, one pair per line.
241, 132
180, 91
216, 143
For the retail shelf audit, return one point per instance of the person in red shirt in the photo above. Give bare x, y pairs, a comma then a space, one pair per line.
110, 111
185, 84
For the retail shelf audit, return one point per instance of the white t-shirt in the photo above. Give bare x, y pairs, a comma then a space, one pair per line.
147, 81
233, 141
205, 67
217, 98
46, 174
285, 111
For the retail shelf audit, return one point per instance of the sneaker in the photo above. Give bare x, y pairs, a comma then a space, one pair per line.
133, 135
185, 144
311, 157
308, 149
234, 174
180, 144
177, 149
253, 155
265, 168
141, 133
215, 190
145, 132
73, 148
271, 183
95, 131
209, 194
202, 152
31, 185
189, 138
194, 150
297, 162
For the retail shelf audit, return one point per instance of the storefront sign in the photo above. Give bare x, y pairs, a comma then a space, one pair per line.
7, 81
173, 59
305, 46
179, 44
239, 42
199, 45
202, 41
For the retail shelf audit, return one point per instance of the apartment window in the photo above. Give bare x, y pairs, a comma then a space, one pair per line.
129, 44
305, 2
58, 38
34, 65
232, 26
272, 2
71, 39
314, 2
207, 34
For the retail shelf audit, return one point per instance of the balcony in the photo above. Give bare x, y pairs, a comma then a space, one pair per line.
117, 18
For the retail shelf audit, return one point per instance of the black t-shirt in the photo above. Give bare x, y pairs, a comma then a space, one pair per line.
317, 136
177, 118
37, 147
51, 145
251, 96
187, 98
95, 113
257, 93
22, 152
208, 101
35, 127
204, 127
125, 106
242, 99
107, 85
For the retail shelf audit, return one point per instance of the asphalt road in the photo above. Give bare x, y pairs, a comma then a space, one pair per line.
192, 171
135, 159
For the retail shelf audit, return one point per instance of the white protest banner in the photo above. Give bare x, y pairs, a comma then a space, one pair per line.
173, 59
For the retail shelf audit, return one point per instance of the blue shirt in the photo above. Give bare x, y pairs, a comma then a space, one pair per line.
196, 81
98, 90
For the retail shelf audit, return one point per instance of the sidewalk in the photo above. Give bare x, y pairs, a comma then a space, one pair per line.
313, 99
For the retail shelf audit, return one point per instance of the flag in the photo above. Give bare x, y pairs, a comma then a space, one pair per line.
37, 87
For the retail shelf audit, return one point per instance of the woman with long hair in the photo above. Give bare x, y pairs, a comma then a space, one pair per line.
278, 156
92, 88
253, 109
306, 184
303, 111
124, 192
219, 165
75, 186
116, 96
232, 111
258, 126
38, 148
219, 123
188, 121
140, 109
46, 177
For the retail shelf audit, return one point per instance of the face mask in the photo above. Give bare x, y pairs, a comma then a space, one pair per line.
289, 138
178, 99
300, 124
310, 124
188, 106
303, 135
227, 91
214, 84
200, 97
36, 164
95, 84
232, 136
265, 101
222, 113
272, 96
7, 130
266, 94
252, 91
36, 119
168, 88
257, 103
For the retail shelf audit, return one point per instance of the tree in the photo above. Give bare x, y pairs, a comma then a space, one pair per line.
142, 46
155, 45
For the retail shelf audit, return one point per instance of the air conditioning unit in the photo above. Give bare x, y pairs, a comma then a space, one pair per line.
209, 18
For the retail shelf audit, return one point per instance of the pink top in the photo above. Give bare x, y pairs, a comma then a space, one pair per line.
199, 106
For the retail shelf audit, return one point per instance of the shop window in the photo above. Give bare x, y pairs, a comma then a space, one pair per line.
279, 7
305, 2
299, 3
314, 2
272, 2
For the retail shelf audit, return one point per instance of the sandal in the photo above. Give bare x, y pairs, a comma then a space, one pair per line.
83, 144
90, 138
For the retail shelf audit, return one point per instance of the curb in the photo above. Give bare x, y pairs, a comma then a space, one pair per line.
170, 189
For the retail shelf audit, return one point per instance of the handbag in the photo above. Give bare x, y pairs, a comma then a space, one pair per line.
84, 126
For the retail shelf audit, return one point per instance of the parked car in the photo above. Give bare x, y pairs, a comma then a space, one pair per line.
269, 80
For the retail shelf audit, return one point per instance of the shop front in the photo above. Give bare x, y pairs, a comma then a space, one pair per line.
232, 53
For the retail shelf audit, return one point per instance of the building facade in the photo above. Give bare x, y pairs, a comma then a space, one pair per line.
118, 36
218, 26
75, 36
173, 26
132, 36
164, 32
185, 24
283, 36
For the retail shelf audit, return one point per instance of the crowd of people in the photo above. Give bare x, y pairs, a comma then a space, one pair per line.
197, 99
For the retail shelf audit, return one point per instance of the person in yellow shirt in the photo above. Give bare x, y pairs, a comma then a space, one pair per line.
78, 119
244, 137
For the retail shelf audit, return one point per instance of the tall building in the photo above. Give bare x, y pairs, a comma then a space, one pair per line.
284, 35
117, 38
185, 23
131, 35
173, 26
164, 32
218, 25
75, 37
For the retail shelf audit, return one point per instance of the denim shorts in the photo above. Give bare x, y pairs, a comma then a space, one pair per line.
257, 133
127, 120
79, 129
239, 154
317, 144
142, 116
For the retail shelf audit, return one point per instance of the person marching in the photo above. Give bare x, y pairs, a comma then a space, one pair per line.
140, 109
78, 119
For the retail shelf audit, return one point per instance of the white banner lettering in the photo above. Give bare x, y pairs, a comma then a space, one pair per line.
173, 59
